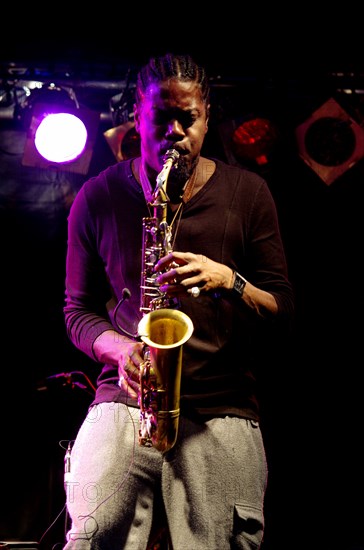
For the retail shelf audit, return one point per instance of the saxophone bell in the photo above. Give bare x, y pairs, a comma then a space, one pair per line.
164, 331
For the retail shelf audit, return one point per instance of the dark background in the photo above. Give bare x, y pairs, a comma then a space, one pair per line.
278, 64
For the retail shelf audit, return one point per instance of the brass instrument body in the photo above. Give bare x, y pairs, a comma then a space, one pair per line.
163, 329
156, 239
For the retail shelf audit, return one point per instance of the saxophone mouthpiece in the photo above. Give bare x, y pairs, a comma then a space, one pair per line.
172, 155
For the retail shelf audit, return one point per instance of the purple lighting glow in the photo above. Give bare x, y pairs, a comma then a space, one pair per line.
60, 137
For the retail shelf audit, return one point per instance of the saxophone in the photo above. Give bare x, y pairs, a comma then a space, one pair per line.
163, 329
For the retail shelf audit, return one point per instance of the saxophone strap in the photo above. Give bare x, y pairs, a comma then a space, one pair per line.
147, 188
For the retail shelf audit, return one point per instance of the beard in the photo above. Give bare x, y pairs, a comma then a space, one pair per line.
178, 178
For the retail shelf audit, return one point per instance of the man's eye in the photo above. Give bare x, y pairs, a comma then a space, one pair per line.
185, 119
160, 118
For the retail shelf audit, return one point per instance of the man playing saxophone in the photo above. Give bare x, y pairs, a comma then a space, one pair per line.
225, 269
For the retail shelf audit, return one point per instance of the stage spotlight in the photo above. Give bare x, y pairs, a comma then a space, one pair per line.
123, 141
60, 137
250, 141
330, 141
59, 132
254, 140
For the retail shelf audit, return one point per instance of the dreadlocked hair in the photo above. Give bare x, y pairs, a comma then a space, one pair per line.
181, 67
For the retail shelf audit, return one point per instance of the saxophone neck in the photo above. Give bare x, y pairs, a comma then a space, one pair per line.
170, 159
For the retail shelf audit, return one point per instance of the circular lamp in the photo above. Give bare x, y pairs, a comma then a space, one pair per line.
60, 133
60, 137
330, 141
254, 140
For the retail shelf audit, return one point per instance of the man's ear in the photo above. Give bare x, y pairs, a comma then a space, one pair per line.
207, 118
136, 118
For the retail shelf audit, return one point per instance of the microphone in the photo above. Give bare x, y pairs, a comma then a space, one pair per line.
66, 375
125, 295
66, 379
67, 464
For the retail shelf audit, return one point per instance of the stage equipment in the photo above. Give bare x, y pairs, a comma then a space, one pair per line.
250, 141
330, 141
123, 141
19, 545
254, 140
60, 133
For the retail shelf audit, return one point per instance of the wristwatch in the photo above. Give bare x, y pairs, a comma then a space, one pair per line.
239, 283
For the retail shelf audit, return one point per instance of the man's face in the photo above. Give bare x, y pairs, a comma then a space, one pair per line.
172, 114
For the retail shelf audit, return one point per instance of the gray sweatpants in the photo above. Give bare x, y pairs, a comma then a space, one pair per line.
212, 483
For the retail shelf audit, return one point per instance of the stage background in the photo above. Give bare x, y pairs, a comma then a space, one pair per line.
313, 405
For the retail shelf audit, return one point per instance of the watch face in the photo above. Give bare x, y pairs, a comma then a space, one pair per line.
239, 283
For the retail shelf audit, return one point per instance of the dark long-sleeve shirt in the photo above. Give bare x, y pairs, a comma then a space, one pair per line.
232, 220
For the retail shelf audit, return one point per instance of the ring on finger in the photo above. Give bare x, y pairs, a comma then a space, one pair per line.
195, 291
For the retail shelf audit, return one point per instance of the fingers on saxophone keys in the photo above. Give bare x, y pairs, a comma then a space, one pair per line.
127, 383
126, 371
166, 286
